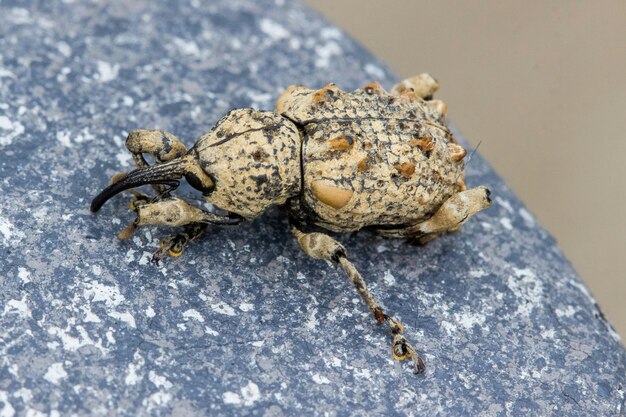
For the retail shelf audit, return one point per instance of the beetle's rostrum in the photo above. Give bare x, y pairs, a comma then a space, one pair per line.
340, 161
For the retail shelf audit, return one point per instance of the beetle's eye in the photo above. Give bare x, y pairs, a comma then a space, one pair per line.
195, 182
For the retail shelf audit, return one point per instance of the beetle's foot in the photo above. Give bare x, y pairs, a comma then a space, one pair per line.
129, 230
401, 349
173, 245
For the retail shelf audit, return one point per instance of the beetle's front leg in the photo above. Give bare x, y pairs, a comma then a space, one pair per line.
162, 146
174, 212
322, 246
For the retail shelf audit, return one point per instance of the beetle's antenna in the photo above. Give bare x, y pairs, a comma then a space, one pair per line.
167, 173
469, 158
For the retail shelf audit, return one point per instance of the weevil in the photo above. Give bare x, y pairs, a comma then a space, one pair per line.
340, 162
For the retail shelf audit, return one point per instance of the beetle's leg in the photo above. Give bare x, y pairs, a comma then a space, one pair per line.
175, 212
422, 85
322, 246
174, 245
448, 218
163, 146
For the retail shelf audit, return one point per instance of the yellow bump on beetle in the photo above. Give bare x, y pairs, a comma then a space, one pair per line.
329, 194
406, 169
341, 143
457, 152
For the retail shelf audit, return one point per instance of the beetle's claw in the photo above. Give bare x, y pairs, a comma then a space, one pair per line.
402, 349
174, 246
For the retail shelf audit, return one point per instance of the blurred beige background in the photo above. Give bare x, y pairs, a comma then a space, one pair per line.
543, 86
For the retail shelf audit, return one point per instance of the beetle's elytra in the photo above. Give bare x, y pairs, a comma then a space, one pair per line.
340, 161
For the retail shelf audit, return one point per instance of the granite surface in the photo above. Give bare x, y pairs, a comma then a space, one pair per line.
244, 323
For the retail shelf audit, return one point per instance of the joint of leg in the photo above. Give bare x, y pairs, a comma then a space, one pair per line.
339, 253
394, 325
380, 316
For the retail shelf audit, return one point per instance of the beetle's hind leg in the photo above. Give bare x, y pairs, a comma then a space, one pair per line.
174, 212
452, 214
322, 246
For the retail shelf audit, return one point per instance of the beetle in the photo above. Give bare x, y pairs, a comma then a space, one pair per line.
340, 161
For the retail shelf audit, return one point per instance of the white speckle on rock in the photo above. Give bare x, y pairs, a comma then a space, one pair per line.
274, 30
193, 314
389, 278
362, 373
6, 73
15, 129
320, 379
132, 374
504, 203
90, 316
159, 381
259, 99
375, 71
130, 255
64, 49
528, 218
506, 223
63, 136
230, 397
568, 311
96, 270
187, 47
258, 343
96, 291
158, 399
18, 307
330, 33
246, 307
469, 319
6, 228
448, 327
5, 123
326, 52
250, 393
223, 308
23, 274
210, 331
7, 409
477, 273
527, 288
55, 373
150, 312
107, 71
125, 317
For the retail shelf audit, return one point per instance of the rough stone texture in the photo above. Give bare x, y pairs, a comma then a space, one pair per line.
244, 323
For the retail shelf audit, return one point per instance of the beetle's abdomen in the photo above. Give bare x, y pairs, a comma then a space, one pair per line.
372, 159
254, 159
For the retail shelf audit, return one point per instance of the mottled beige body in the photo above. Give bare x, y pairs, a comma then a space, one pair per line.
372, 158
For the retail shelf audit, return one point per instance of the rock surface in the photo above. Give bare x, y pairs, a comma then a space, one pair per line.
244, 323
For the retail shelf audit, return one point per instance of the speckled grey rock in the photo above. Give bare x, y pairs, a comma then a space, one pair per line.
244, 323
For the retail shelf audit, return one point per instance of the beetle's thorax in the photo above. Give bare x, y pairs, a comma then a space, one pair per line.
253, 158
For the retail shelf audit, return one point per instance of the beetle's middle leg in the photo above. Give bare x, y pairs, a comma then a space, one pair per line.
175, 212
322, 246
